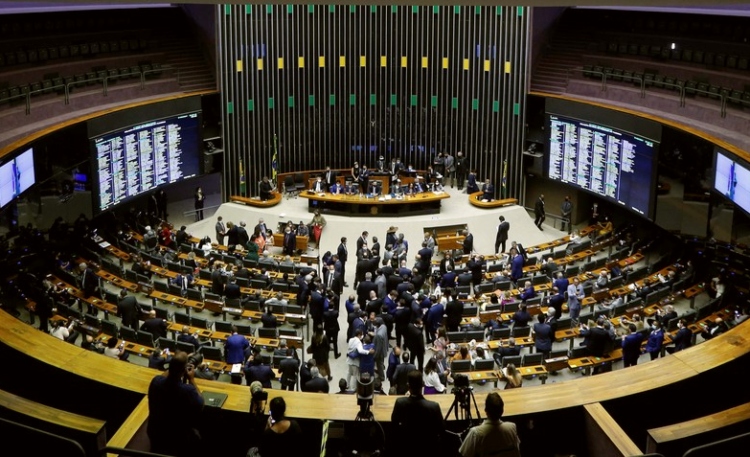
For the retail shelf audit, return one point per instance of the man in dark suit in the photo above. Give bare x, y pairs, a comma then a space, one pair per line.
288, 370
555, 302
232, 290
502, 234
343, 255
329, 177
519, 249
89, 284
488, 190
217, 281
156, 326
182, 236
414, 341
317, 384
362, 241
468, 242
539, 212
631, 346
682, 339
129, 309
453, 311
242, 236
401, 373
415, 416
290, 241
561, 283
510, 350
261, 228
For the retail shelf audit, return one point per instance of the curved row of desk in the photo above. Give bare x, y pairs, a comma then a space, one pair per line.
713, 366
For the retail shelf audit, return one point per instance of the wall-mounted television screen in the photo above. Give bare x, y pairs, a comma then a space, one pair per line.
732, 180
16, 176
604, 152
142, 157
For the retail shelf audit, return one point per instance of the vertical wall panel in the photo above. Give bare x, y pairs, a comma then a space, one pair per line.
313, 78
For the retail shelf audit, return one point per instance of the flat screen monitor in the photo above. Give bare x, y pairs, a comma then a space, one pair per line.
732, 180
141, 157
16, 176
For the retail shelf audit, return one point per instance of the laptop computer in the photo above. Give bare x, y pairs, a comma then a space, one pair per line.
214, 399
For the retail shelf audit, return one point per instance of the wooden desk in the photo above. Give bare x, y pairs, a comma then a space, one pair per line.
278, 241
119, 282
450, 242
77, 293
354, 205
174, 299
475, 199
256, 201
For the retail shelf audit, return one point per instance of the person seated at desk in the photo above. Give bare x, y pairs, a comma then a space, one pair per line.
604, 227
349, 188
268, 261
318, 186
336, 188
528, 291
713, 329
410, 190
513, 378
186, 337
418, 185
488, 191
256, 370
266, 190
521, 318
471, 185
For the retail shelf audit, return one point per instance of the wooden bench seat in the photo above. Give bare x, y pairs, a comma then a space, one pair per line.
257, 202
475, 199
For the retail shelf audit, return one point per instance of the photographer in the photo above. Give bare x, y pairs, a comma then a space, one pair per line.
281, 436
174, 396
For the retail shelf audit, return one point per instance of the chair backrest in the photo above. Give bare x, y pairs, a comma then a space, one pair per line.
518, 332
258, 283
223, 326
477, 335
211, 353
212, 296
512, 306
460, 366
145, 339
199, 322
244, 329
161, 286
572, 271
109, 328
578, 352
456, 337
128, 334
185, 347
181, 318
539, 280
194, 294
485, 287
268, 333
484, 365
501, 333
470, 311
287, 332
514, 359
531, 359
166, 343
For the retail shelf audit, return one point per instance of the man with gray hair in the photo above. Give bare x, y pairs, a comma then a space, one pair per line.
317, 384
381, 347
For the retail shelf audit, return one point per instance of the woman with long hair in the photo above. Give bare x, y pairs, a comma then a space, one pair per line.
512, 377
319, 348
431, 378
199, 199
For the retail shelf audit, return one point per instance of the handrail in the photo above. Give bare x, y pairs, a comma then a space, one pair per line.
103, 79
723, 98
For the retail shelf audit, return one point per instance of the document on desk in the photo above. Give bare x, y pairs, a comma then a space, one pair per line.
236, 368
104, 245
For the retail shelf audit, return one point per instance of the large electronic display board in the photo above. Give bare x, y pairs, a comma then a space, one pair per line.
611, 163
142, 157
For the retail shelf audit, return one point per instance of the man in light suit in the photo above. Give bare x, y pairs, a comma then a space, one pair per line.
221, 230
468, 242
381, 347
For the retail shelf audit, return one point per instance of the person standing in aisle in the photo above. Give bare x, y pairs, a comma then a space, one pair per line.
502, 234
539, 212
566, 211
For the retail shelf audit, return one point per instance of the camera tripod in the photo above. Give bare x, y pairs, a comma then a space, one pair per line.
461, 406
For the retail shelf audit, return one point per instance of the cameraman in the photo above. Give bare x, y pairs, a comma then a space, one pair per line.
174, 396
